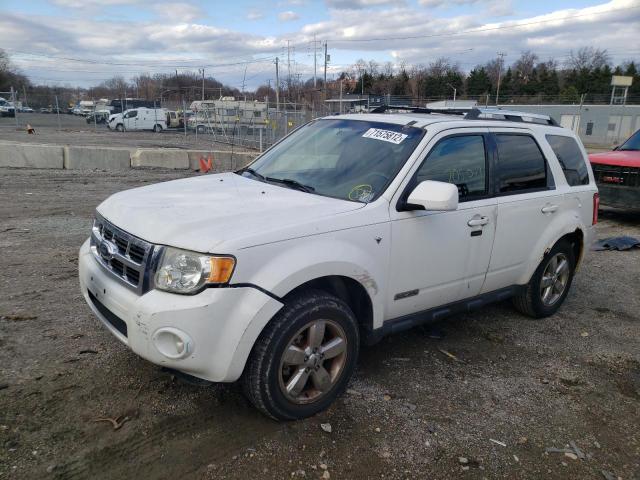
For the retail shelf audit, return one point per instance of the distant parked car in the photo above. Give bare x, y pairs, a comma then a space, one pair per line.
45, 110
99, 116
26, 110
617, 174
6, 108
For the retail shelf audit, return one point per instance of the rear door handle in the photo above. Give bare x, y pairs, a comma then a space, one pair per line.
478, 221
549, 208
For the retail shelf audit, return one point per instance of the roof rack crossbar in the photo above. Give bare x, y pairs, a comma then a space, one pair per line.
411, 109
509, 115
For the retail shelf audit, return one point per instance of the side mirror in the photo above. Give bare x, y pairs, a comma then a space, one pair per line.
436, 196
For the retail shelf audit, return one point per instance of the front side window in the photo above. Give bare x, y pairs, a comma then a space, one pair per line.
132, 114
570, 158
521, 165
347, 159
459, 160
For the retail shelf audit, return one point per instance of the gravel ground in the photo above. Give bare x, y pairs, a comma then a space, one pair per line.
515, 387
74, 130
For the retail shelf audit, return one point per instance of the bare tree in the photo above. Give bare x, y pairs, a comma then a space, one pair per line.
523, 68
588, 58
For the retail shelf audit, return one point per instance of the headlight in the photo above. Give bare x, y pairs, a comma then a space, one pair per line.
181, 271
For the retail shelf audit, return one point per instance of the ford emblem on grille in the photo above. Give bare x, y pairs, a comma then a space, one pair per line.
107, 250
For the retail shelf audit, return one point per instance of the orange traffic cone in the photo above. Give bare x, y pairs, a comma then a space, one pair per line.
30, 129
207, 165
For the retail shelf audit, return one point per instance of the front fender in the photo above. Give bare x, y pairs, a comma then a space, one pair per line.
283, 266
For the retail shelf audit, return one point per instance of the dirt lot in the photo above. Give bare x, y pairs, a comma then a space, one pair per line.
518, 386
74, 130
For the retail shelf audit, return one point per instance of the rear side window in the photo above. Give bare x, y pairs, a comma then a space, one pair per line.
570, 158
459, 160
521, 165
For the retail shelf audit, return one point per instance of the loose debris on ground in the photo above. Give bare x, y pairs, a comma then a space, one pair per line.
411, 412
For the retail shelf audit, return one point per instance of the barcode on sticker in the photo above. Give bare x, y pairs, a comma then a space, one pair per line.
385, 135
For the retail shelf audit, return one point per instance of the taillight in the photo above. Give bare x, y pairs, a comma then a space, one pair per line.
596, 206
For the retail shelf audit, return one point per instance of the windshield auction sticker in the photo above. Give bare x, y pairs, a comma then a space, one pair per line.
385, 135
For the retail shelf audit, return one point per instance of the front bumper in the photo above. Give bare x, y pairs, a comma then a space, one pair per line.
218, 325
619, 196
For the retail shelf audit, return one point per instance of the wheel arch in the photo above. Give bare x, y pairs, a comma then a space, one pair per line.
347, 289
573, 232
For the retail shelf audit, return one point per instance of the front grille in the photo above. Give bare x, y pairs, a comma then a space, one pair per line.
616, 175
123, 255
115, 321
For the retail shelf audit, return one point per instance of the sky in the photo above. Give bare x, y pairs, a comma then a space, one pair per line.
83, 42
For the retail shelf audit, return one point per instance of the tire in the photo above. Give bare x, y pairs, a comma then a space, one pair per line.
157, 128
269, 378
120, 127
200, 129
532, 301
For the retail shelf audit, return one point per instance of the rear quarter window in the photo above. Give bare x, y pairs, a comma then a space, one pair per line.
571, 160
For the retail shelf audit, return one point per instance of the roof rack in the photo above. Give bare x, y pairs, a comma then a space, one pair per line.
510, 116
410, 109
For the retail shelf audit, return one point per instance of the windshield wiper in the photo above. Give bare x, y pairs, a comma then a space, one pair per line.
291, 183
253, 172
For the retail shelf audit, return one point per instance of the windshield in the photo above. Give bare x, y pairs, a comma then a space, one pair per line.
347, 159
632, 143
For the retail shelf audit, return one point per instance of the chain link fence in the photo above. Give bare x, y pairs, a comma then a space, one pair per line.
256, 125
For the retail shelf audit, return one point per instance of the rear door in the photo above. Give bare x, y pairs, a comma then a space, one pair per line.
527, 202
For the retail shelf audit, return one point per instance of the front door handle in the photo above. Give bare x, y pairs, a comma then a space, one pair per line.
548, 208
478, 221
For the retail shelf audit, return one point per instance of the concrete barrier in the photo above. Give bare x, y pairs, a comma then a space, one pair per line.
31, 156
97, 158
222, 161
160, 158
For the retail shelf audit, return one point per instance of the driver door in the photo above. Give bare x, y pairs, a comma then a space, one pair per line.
441, 257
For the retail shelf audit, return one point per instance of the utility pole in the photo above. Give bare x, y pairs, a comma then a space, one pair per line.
24, 90
324, 85
277, 87
314, 61
289, 69
500, 62
202, 71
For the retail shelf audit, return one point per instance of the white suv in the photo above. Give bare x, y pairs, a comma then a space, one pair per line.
350, 228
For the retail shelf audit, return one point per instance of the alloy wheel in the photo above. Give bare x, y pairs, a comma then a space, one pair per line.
313, 361
554, 279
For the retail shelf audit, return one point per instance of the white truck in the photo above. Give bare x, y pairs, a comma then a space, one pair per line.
350, 228
139, 119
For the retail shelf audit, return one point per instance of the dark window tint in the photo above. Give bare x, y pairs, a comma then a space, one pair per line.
459, 160
570, 158
521, 165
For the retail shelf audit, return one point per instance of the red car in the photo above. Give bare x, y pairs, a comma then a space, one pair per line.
618, 174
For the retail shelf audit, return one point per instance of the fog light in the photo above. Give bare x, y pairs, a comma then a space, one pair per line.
172, 343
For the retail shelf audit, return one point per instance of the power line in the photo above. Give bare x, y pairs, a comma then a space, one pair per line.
478, 30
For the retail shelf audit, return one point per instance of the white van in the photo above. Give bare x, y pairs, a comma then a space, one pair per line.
139, 119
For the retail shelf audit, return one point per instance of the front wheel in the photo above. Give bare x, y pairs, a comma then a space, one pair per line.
304, 358
120, 127
549, 285
157, 128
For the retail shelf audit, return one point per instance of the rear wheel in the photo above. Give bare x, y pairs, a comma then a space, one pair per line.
304, 358
157, 128
549, 285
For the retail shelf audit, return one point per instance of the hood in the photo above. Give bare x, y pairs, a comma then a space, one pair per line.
212, 213
621, 158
